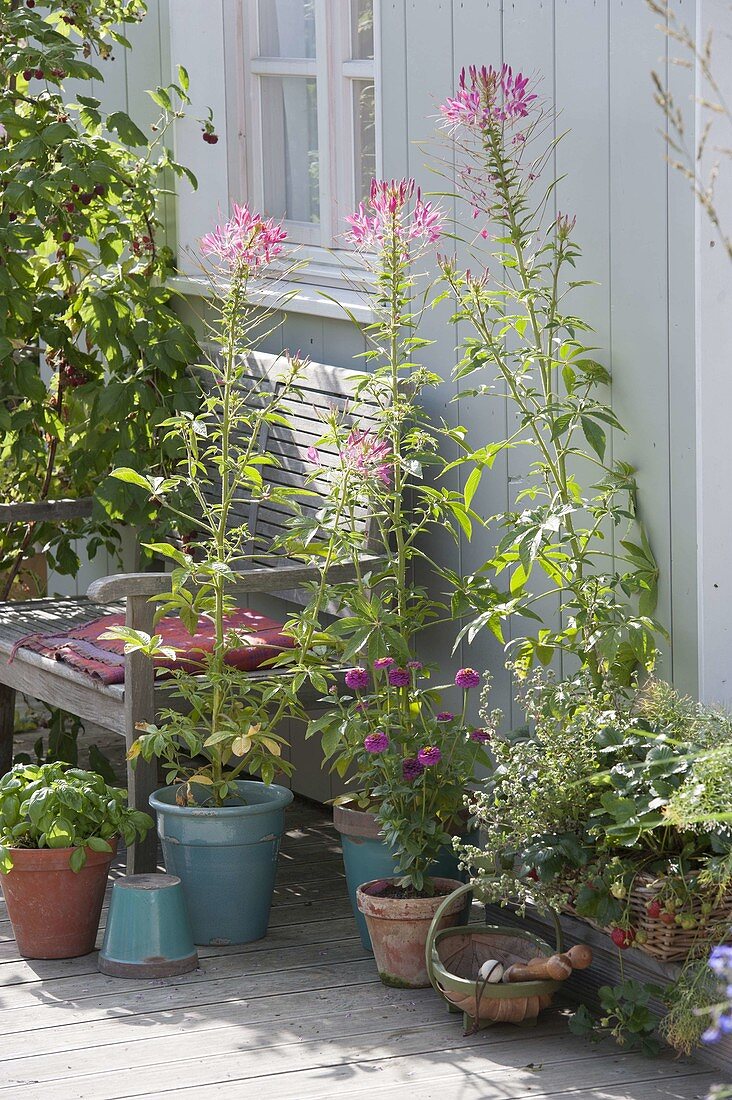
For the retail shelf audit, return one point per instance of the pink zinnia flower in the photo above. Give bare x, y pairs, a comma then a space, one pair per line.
368, 455
444, 716
411, 768
485, 96
415, 665
362, 706
428, 756
357, 679
399, 677
386, 215
376, 742
384, 662
467, 678
246, 240
481, 736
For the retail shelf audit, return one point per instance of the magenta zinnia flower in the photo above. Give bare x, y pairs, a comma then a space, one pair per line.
368, 455
357, 679
246, 240
384, 662
414, 665
467, 678
481, 736
399, 677
487, 95
430, 755
444, 716
411, 768
385, 216
376, 742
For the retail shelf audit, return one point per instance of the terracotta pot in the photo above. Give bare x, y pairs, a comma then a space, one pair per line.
399, 927
55, 911
366, 855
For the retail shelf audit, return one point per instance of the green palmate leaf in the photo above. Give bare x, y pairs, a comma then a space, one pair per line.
594, 435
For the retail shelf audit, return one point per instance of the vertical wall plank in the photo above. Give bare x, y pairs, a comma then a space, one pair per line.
639, 273
682, 397
478, 40
197, 43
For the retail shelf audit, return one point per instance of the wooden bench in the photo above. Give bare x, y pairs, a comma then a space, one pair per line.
119, 708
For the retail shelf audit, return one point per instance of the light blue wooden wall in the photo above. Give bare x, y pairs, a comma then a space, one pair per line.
635, 221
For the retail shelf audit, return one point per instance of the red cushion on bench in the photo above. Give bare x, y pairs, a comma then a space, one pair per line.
84, 649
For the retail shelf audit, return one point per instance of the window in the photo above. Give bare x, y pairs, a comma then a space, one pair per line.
307, 106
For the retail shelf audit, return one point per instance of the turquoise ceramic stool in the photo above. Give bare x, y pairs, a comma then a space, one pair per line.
148, 932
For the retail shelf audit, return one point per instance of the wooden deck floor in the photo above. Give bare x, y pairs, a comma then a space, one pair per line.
298, 1016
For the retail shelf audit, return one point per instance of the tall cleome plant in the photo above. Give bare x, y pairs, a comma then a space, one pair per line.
92, 354
526, 348
227, 720
410, 759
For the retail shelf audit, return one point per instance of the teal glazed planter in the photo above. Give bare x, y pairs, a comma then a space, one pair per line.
366, 857
226, 859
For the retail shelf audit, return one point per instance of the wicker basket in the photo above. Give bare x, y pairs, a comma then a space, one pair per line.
666, 942
455, 955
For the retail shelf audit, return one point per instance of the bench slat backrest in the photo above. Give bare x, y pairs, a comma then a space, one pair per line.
321, 388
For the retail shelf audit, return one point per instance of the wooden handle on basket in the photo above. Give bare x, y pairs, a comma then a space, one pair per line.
556, 968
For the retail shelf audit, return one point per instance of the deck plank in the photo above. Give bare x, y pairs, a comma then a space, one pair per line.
300, 1015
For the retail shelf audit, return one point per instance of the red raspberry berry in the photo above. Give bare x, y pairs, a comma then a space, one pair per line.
75, 188
38, 74
533, 875
654, 908
12, 216
99, 189
30, 3
213, 139
86, 197
622, 937
66, 236
27, 74
69, 207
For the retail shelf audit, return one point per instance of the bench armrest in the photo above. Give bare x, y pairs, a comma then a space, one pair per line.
278, 579
46, 511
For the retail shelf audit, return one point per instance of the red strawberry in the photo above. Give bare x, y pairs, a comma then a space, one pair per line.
668, 918
622, 937
654, 908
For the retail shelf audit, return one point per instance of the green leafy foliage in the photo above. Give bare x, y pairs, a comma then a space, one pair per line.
627, 1017
55, 806
572, 528
92, 354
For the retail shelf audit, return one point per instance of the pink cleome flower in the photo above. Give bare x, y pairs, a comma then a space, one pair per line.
385, 216
247, 240
487, 95
368, 455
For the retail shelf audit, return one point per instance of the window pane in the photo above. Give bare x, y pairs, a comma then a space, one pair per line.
362, 29
287, 28
364, 128
290, 137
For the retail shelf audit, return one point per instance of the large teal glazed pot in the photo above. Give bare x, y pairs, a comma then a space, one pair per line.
226, 859
367, 857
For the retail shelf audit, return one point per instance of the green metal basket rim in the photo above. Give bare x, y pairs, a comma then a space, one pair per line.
498, 990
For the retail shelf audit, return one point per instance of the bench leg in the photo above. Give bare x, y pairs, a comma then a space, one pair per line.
7, 727
142, 780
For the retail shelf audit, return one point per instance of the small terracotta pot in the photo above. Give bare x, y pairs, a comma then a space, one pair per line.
399, 927
55, 911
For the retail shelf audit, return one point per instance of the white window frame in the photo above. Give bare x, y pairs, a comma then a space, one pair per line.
335, 71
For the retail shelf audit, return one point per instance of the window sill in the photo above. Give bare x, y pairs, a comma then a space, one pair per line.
336, 302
